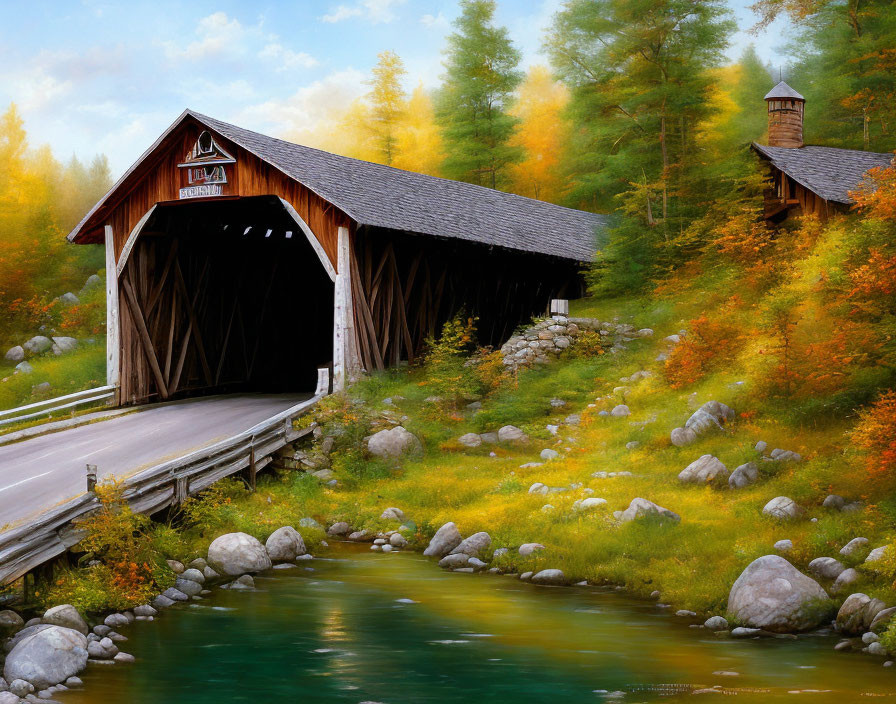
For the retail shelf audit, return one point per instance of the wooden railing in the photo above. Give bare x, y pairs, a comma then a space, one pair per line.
60, 403
50, 534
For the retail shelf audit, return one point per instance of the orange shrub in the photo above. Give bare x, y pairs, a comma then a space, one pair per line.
877, 194
708, 344
876, 434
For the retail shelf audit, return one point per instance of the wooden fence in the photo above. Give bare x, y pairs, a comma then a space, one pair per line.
50, 534
60, 403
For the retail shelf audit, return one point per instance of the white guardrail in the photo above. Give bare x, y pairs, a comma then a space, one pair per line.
50, 534
60, 403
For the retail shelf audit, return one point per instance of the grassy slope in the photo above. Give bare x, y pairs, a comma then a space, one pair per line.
82, 369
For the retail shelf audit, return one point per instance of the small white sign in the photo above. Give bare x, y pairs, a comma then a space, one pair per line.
200, 191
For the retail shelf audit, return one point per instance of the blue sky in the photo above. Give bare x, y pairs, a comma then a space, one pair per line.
96, 76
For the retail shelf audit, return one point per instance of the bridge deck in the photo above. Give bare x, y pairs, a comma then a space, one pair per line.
43, 472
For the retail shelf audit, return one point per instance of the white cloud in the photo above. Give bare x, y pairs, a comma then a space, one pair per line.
373, 11
218, 35
438, 21
286, 59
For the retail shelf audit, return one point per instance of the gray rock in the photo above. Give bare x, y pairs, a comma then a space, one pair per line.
162, 602
102, 630
93, 281
393, 514
681, 437
510, 433
176, 566
633, 445
124, 658
620, 411
397, 540
549, 454
187, 586
175, 594
743, 476
685, 613
69, 299
444, 541
116, 620
716, 623
21, 688
476, 564
145, 610
470, 440
641, 508
784, 545
853, 507
61, 345
324, 475
711, 414
876, 649
38, 344
10, 622
285, 545
833, 501
339, 528
474, 545
705, 470
9, 698
454, 560
783, 508
193, 574
393, 442
854, 545
870, 637
308, 522
489, 438
237, 553
361, 536
773, 595
761, 446
880, 622
209, 573
785, 455
15, 354
826, 567
589, 503
24, 368
857, 614
844, 579
876, 554
553, 577
73, 682
66, 615
527, 549
47, 657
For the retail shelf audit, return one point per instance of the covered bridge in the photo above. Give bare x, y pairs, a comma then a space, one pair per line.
239, 262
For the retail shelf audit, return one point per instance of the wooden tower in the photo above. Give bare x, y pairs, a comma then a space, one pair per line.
785, 117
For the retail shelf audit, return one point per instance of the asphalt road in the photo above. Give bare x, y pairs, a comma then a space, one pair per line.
41, 472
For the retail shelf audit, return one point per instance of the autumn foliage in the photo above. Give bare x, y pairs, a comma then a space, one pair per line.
876, 435
709, 343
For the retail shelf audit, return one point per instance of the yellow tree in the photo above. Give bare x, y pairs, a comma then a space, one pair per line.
387, 103
542, 133
418, 143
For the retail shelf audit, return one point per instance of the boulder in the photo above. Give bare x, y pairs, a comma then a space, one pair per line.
681, 437
527, 549
553, 577
588, 504
7, 697
187, 586
620, 411
743, 476
23, 368
785, 455
857, 614
393, 442
470, 440
10, 622
711, 414
285, 545
47, 657
454, 560
397, 540
116, 620
69, 299
61, 345
784, 545
783, 508
339, 529
393, 514
826, 567
716, 623
882, 620
761, 446
844, 579
854, 545
705, 470
192, 574
473, 545
67, 616
510, 433
548, 454
444, 541
93, 281
771, 594
38, 345
237, 553
641, 508
833, 501
877, 554
15, 354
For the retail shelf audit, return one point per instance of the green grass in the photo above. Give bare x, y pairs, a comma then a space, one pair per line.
84, 368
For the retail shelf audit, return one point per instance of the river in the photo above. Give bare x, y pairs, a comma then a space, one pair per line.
356, 626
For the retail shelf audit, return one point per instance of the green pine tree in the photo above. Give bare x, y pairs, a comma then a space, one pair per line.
481, 76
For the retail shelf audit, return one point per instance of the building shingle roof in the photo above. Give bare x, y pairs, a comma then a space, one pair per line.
783, 91
828, 171
386, 197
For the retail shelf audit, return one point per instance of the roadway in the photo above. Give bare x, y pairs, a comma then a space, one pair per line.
42, 472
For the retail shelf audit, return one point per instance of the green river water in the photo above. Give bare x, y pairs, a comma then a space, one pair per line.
356, 626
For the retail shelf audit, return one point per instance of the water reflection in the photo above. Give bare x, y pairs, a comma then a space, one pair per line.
393, 628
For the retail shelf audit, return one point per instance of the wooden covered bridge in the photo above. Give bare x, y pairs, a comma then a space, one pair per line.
239, 262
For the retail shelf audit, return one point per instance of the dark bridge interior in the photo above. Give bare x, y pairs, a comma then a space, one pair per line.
220, 297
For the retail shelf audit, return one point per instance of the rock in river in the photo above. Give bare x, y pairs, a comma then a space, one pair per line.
66, 615
47, 657
773, 595
473, 545
555, 577
444, 541
237, 553
285, 544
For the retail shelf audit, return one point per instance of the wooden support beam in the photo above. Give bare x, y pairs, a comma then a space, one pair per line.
191, 311
143, 334
343, 318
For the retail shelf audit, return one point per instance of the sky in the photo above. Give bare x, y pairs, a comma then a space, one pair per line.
94, 76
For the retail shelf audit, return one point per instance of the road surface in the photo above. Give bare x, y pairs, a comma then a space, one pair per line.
41, 472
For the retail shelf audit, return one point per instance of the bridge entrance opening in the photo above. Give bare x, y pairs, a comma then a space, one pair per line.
223, 296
